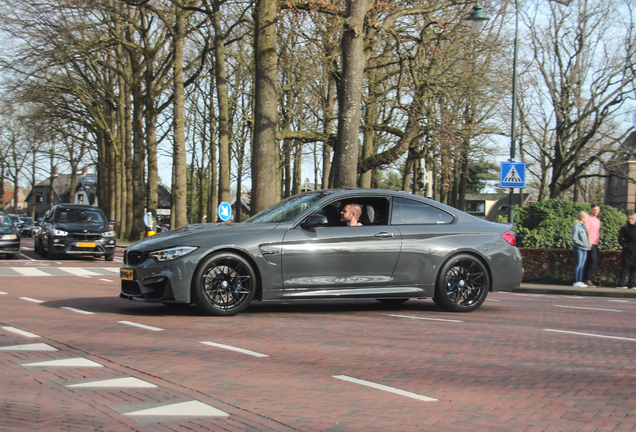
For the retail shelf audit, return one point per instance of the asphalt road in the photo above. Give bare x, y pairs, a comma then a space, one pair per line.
74, 356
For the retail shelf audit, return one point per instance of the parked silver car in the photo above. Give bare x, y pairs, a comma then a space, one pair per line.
406, 247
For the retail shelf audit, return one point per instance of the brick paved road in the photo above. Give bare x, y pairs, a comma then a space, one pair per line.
521, 362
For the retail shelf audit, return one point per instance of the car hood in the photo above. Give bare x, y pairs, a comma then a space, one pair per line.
7, 230
82, 227
197, 234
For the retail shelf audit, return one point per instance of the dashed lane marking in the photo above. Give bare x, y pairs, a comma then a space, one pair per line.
2, 293
29, 347
385, 388
72, 309
129, 382
423, 318
105, 280
588, 308
143, 326
79, 271
31, 299
592, 334
69, 362
21, 332
28, 257
231, 348
183, 409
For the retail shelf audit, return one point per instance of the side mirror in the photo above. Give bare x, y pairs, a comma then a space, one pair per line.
111, 222
315, 220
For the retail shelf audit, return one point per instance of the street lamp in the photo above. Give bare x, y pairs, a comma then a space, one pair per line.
477, 19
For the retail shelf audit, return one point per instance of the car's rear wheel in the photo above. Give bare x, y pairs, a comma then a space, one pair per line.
109, 257
463, 284
224, 284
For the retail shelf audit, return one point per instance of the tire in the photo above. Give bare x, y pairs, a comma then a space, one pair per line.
109, 257
462, 285
392, 301
224, 284
43, 252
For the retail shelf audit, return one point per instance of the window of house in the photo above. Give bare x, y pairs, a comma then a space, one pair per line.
475, 207
38, 198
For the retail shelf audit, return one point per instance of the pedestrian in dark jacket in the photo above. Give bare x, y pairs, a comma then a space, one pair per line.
627, 240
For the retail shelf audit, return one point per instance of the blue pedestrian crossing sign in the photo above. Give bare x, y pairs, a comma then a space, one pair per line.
225, 211
512, 175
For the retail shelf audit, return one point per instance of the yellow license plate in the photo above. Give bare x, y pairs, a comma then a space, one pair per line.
126, 274
87, 245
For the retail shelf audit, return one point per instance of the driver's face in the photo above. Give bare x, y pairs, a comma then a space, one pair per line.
346, 214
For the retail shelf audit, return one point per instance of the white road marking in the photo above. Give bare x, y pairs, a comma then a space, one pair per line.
492, 299
31, 299
385, 388
79, 271
1, 293
30, 271
528, 295
70, 362
72, 309
241, 350
29, 347
190, 409
147, 327
129, 382
112, 269
591, 334
28, 257
422, 318
105, 280
588, 308
21, 332
620, 301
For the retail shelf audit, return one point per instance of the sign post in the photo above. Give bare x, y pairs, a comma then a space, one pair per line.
512, 175
149, 221
225, 211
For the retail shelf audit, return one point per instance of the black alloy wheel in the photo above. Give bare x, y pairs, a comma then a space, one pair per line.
463, 284
224, 284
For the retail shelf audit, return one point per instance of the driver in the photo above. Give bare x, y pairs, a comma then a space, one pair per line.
350, 214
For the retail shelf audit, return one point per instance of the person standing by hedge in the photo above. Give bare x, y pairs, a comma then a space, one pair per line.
594, 230
581, 244
627, 240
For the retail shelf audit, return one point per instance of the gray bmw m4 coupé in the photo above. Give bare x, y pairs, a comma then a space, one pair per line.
405, 246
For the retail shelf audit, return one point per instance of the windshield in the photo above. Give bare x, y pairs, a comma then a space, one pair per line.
74, 215
287, 209
5, 221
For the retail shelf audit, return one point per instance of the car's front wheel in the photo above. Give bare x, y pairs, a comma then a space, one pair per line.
224, 284
109, 257
463, 284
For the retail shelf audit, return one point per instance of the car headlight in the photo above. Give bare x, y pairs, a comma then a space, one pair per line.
9, 237
172, 253
59, 233
108, 234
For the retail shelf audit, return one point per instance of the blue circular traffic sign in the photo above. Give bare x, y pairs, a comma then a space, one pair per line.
225, 211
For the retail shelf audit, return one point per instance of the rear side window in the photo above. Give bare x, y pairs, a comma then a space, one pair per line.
409, 212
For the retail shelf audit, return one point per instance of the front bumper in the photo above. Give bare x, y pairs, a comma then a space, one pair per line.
164, 282
94, 247
9, 246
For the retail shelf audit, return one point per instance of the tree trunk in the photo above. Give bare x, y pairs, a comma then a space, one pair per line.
266, 99
345, 159
179, 187
224, 110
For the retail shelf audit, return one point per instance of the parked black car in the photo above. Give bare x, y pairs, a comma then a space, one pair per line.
75, 229
9, 237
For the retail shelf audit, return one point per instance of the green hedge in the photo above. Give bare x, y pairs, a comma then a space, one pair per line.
548, 224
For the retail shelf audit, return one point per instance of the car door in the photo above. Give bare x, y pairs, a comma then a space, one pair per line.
339, 257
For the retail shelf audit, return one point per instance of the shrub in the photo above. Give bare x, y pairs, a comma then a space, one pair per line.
548, 224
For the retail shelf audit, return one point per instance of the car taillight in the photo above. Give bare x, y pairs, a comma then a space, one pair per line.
509, 236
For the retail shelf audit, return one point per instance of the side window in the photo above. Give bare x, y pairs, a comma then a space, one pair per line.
409, 212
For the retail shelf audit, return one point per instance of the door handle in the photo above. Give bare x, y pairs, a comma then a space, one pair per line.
384, 235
